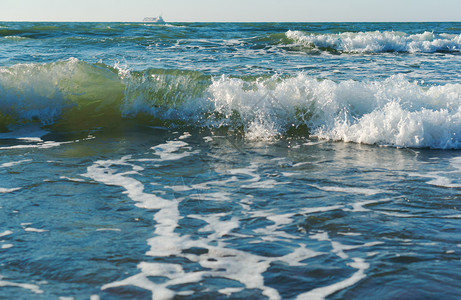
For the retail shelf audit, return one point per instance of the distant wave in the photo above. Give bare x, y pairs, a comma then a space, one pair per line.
74, 95
377, 42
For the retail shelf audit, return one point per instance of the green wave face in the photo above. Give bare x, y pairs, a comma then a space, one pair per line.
74, 95
69, 92
70, 95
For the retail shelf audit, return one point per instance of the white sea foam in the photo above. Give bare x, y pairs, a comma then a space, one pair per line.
30, 133
357, 263
394, 112
31, 229
72, 179
15, 38
323, 292
274, 232
14, 163
311, 210
45, 145
453, 216
5, 190
250, 171
219, 260
166, 241
101, 171
230, 291
264, 184
6, 232
376, 41
350, 233
349, 190
173, 150
32, 287
358, 206
448, 178
394, 214
217, 196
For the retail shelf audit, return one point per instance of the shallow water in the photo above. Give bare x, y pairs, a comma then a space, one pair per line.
197, 171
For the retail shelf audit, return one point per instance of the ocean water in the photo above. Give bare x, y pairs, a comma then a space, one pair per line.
230, 161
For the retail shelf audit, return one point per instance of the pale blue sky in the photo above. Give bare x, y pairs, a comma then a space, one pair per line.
231, 10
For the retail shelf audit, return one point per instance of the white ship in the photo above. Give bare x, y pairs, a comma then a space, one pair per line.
158, 19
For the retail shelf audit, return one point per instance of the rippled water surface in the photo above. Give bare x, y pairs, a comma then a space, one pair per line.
216, 161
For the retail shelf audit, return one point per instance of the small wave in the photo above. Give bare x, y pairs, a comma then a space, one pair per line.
71, 89
377, 42
73, 95
15, 38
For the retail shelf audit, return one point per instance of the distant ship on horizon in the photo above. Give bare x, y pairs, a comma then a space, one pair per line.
158, 19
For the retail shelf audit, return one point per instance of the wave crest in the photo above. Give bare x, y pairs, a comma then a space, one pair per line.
73, 95
393, 112
377, 42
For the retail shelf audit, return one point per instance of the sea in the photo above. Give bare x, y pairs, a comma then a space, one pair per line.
230, 161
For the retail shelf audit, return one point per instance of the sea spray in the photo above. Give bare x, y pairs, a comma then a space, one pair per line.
376, 42
74, 94
392, 112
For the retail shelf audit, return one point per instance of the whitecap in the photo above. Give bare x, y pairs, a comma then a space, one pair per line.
14, 163
32, 287
5, 233
377, 41
5, 190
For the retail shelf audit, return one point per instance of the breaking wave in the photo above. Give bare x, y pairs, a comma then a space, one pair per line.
376, 42
75, 95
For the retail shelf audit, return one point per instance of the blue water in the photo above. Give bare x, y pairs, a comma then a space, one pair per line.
230, 160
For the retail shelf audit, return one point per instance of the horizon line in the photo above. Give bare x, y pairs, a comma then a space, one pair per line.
94, 21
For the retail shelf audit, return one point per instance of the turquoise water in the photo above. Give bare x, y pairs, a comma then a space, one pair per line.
230, 160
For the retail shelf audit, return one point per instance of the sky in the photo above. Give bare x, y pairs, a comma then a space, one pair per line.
232, 10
